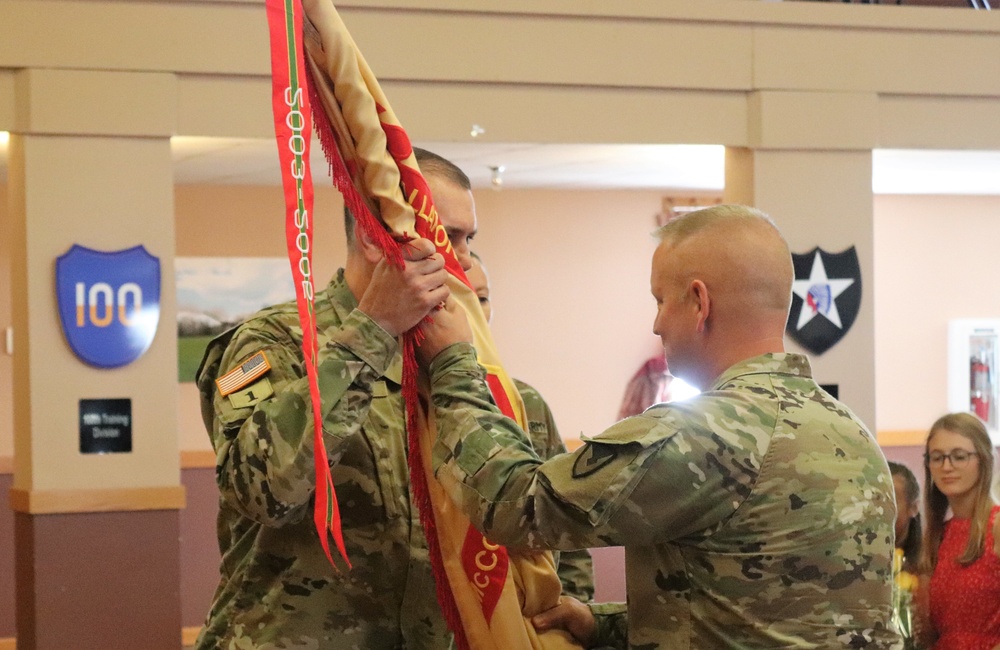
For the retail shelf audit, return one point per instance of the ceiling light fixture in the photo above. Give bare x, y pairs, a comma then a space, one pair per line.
496, 176
476, 131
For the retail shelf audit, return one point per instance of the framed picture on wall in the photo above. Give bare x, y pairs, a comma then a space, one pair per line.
216, 293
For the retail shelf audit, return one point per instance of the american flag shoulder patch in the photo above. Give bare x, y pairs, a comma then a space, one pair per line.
248, 371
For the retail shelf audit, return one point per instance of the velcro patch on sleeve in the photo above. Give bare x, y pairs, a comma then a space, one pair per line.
243, 374
251, 395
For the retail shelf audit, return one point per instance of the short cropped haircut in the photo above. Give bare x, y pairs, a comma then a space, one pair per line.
430, 164
680, 228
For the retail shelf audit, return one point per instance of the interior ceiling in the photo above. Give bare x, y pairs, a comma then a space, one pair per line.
668, 168
600, 166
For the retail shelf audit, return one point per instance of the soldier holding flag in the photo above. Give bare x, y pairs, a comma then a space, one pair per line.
759, 514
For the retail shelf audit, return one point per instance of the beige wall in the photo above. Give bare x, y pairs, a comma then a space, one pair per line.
935, 260
245, 221
570, 282
569, 270
569, 274
580, 334
6, 365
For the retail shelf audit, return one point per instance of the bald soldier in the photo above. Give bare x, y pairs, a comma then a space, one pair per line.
575, 568
758, 514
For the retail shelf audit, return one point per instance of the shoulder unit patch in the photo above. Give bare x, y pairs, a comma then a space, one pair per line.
593, 457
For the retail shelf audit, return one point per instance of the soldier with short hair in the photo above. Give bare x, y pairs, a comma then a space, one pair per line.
277, 588
758, 514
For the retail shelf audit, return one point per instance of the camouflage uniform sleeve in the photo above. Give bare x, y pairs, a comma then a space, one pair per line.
575, 568
264, 451
612, 625
637, 483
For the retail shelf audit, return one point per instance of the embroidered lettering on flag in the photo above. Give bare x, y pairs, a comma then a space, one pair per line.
248, 371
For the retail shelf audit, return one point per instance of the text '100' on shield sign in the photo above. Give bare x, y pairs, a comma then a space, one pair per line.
109, 303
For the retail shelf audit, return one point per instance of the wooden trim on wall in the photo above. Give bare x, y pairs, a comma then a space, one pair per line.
39, 502
190, 459
188, 635
205, 458
901, 437
197, 459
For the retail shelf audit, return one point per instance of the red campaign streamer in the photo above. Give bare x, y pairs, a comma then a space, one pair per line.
293, 130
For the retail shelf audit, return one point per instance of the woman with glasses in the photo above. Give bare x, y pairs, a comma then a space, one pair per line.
961, 553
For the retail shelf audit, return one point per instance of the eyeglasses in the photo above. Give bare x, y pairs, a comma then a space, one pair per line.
959, 458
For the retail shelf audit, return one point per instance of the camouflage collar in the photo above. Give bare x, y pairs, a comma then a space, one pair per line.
339, 294
343, 302
783, 363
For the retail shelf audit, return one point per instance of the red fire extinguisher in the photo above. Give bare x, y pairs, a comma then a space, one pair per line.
981, 386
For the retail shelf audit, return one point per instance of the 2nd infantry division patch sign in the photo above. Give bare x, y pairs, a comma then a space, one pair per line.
826, 297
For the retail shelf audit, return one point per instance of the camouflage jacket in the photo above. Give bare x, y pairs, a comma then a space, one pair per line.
277, 588
575, 568
756, 515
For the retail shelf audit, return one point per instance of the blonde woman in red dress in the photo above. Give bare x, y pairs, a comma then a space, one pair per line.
961, 554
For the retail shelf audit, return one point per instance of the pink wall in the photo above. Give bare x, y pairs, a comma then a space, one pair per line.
569, 270
570, 287
935, 260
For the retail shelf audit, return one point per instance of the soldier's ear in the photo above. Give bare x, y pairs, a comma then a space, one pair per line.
701, 303
371, 252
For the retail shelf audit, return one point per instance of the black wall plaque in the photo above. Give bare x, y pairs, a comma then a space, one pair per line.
105, 426
833, 389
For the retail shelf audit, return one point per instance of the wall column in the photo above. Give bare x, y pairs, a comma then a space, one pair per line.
96, 535
810, 167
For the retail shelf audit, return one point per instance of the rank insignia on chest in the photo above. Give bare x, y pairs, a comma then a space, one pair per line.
244, 374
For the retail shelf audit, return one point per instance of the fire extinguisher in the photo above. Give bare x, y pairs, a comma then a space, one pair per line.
981, 386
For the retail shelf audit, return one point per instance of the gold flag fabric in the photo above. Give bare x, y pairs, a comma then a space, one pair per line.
487, 594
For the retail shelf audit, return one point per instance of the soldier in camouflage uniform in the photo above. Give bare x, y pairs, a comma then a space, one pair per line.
575, 567
277, 588
756, 515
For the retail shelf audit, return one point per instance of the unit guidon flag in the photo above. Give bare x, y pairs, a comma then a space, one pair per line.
487, 595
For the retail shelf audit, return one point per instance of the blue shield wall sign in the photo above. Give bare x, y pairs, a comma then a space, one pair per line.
826, 297
109, 303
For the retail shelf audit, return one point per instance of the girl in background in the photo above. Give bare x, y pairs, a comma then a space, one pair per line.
961, 554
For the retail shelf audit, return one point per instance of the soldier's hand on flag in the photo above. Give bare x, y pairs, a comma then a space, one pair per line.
446, 326
399, 298
570, 615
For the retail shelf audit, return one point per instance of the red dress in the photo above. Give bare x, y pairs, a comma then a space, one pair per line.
965, 601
